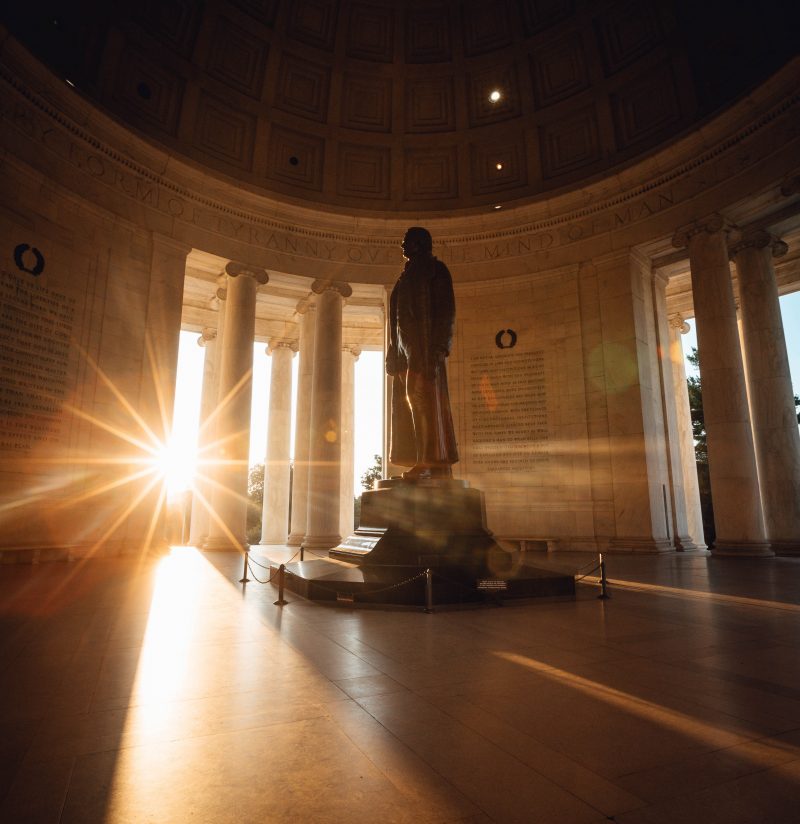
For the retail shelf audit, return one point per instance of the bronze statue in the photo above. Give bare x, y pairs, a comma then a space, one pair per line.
421, 318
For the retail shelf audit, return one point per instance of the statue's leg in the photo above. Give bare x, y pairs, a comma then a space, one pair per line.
418, 401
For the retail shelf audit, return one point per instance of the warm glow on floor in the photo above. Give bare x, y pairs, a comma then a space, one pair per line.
688, 725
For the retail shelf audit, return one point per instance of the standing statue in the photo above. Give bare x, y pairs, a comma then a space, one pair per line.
421, 318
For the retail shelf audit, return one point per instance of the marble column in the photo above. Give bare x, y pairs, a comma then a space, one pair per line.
676, 502
325, 438
346, 489
691, 490
229, 518
198, 531
156, 400
769, 382
305, 373
275, 513
738, 518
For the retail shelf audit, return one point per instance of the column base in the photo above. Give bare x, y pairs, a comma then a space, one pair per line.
321, 542
295, 539
271, 541
686, 544
742, 549
787, 548
225, 544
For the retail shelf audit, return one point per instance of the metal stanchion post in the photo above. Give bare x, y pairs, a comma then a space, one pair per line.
281, 574
244, 579
301, 552
428, 590
603, 590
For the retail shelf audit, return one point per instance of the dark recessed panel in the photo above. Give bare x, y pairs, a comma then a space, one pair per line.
237, 58
363, 171
431, 174
483, 84
262, 10
370, 33
627, 32
174, 22
302, 88
499, 165
367, 103
226, 133
313, 22
569, 144
559, 70
486, 26
295, 158
430, 105
148, 91
428, 37
538, 15
647, 108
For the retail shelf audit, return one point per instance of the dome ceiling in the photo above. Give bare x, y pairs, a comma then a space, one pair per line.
396, 106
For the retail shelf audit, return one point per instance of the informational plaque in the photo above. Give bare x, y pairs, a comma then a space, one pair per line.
36, 328
509, 411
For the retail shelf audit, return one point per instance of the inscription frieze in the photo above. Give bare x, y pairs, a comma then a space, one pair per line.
733, 155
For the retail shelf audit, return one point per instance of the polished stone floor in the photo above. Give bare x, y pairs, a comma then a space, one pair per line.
159, 691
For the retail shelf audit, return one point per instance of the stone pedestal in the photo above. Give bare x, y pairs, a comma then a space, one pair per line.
423, 543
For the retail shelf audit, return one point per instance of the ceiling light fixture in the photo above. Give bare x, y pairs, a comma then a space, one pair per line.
498, 166
495, 95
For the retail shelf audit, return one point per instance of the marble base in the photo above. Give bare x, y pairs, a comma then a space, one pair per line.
225, 544
410, 527
787, 548
742, 549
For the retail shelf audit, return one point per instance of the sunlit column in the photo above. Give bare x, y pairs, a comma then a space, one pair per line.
325, 439
228, 521
691, 490
770, 385
198, 532
275, 512
738, 519
677, 498
346, 521
157, 394
297, 531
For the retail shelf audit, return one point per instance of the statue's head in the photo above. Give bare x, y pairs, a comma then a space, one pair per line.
417, 241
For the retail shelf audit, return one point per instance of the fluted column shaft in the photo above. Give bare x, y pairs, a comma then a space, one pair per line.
299, 516
228, 523
198, 531
346, 487
325, 442
738, 518
685, 445
275, 513
771, 395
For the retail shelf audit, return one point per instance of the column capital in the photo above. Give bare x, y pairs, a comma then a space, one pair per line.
207, 335
282, 343
710, 224
322, 285
234, 269
353, 348
759, 239
676, 321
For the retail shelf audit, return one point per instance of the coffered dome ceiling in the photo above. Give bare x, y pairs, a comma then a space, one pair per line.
414, 107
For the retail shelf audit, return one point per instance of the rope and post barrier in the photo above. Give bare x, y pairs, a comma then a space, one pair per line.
603, 583
428, 590
281, 581
246, 554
